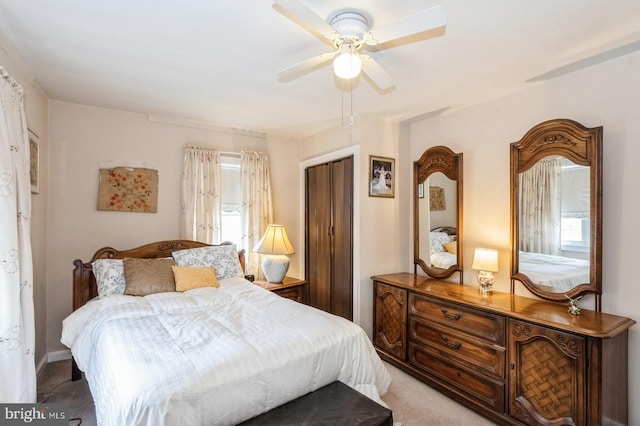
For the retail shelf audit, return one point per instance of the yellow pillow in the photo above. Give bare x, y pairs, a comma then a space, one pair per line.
451, 247
190, 277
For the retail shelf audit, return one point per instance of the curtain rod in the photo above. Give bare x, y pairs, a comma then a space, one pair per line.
233, 154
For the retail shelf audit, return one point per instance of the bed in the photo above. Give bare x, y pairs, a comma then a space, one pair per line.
206, 355
556, 272
443, 246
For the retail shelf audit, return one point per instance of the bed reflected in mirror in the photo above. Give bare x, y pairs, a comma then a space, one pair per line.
556, 194
554, 223
437, 212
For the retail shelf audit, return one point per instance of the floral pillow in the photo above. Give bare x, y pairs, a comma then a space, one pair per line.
109, 275
437, 240
223, 258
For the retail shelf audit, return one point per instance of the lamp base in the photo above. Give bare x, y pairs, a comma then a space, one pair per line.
485, 280
275, 267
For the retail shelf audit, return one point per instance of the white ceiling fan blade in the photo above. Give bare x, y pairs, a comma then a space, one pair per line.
376, 73
424, 20
307, 65
305, 17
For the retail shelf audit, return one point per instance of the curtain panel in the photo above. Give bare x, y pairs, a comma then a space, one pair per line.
17, 324
257, 208
540, 207
201, 201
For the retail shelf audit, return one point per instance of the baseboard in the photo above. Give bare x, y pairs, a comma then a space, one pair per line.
58, 355
52, 357
41, 364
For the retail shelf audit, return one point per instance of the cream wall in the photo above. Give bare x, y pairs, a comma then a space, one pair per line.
36, 110
84, 138
605, 95
376, 240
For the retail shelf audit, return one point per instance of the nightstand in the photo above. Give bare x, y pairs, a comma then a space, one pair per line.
290, 288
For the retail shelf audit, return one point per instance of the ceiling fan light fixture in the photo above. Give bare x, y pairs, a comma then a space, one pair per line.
347, 65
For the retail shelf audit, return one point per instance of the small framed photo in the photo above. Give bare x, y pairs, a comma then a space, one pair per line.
34, 162
382, 171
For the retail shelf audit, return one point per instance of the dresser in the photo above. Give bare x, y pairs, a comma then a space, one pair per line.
515, 360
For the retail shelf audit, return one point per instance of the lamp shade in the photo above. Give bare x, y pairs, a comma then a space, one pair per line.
485, 260
274, 241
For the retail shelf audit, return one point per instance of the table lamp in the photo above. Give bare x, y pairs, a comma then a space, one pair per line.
275, 245
485, 261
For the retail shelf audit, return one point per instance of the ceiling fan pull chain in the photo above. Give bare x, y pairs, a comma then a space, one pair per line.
341, 105
351, 119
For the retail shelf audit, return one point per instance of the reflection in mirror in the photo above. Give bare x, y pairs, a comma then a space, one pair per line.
556, 210
437, 212
554, 204
439, 218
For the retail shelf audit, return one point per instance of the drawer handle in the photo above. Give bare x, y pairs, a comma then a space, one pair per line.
450, 317
450, 345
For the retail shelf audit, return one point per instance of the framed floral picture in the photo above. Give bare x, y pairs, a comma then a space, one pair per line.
128, 189
34, 162
382, 176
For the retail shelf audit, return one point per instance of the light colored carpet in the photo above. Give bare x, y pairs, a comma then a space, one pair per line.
413, 403
55, 385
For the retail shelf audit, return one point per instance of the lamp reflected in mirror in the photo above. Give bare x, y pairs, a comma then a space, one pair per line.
486, 262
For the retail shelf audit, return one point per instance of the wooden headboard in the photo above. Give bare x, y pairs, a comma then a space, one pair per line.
84, 282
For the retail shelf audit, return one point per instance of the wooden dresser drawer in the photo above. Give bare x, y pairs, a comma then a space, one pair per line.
293, 293
473, 352
489, 392
472, 321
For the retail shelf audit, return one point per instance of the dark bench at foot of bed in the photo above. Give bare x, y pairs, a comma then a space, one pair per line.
333, 404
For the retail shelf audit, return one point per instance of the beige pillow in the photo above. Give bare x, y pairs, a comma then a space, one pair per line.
451, 247
148, 276
190, 277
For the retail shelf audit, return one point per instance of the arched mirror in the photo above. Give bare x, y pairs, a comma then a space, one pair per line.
556, 210
437, 215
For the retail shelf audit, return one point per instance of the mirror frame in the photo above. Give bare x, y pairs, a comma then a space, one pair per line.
433, 160
583, 146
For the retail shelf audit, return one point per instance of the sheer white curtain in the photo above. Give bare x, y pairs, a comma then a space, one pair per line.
201, 201
17, 328
540, 207
257, 205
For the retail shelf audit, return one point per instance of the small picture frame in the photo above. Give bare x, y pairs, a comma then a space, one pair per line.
382, 176
421, 190
34, 162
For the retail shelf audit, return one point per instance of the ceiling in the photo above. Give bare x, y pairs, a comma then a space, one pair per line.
214, 62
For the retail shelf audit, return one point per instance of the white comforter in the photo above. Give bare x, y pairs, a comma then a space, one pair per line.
562, 273
443, 259
213, 356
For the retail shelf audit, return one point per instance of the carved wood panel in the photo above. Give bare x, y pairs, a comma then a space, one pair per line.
547, 378
390, 320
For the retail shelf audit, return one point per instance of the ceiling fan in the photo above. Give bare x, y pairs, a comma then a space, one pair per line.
348, 31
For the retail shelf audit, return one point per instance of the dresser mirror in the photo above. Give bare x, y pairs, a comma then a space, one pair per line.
437, 215
556, 210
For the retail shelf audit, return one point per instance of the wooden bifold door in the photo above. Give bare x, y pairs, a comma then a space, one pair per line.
329, 236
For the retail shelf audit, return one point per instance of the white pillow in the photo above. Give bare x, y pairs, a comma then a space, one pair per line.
437, 239
109, 275
223, 258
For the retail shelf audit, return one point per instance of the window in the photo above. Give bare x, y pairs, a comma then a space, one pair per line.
231, 197
575, 207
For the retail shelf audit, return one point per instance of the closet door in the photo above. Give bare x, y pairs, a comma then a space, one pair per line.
318, 238
329, 236
342, 237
